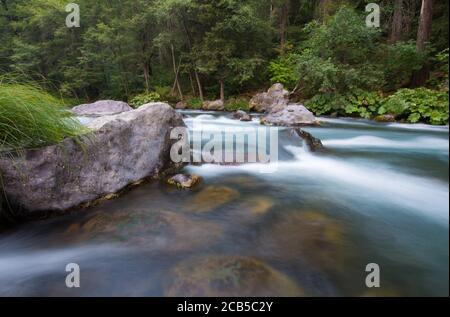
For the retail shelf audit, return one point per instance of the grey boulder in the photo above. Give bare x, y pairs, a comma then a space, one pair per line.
216, 105
181, 105
101, 108
275, 98
290, 115
121, 150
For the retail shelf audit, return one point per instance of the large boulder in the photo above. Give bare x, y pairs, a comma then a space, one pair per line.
275, 98
121, 150
101, 108
292, 115
217, 105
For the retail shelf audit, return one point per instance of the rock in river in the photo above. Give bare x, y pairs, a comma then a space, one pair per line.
161, 231
228, 276
217, 105
212, 197
120, 150
292, 115
184, 181
275, 98
242, 115
309, 236
101, 108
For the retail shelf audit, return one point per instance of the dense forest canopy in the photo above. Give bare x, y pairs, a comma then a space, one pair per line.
321, 50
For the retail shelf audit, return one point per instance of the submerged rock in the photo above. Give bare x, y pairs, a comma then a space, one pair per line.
120, 150
290, 115
275, 98
258, 205
101, 108
242, 115
212, 197
217, 105
161, 231
228, 276
308, 236
184, 181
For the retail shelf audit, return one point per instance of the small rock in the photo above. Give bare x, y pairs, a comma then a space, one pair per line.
242, 115
385, 118
184, 181
228, 276
313, 143
101, 108
217, 105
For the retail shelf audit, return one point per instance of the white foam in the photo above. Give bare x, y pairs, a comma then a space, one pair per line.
367, 141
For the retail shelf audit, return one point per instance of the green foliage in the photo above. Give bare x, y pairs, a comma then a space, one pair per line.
339, 55
239, 103
409, 105
283, 70
401, 61
418, 105
144, 98
194, 103
30, 117
358, 103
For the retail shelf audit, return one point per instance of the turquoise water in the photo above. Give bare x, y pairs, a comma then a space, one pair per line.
378, 194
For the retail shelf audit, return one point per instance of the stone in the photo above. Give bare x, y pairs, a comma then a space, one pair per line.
275, 98
385, 118
101, 108
120, 150
212, 197
217, 105
258, 205
292, 115
228, 276
161, 231
314, 144
242, 116
181, 105
184, 181
309, 236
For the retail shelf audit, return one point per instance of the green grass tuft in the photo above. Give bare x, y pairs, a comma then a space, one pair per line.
31, 117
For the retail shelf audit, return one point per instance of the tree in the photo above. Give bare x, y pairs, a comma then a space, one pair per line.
397, 23
423, 37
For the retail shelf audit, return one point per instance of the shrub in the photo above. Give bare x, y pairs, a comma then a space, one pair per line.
401, 61
30, 117
194, 103
235, 104
284, 71
357, 103
144, 98
166, 94
418, 105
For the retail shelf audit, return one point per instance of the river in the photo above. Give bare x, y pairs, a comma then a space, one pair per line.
378, 194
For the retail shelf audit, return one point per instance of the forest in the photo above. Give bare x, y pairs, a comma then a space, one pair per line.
196, 50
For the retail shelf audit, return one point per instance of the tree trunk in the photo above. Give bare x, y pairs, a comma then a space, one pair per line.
191, 80
199, 84
283, 25
222, 90
397, 23
146, 76
421, 76
426, 19
189, 42
176, 71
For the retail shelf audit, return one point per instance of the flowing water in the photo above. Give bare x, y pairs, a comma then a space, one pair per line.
378, 194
